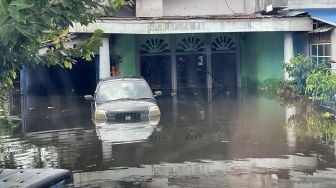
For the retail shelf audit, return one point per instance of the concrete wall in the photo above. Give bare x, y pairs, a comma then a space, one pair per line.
152, 8
210, 7
262, 56
311, 4
124, 45
148, 8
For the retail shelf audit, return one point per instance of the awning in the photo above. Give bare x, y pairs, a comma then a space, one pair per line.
326, 15
322, 29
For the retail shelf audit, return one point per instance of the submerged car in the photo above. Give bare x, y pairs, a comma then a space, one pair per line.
124, 100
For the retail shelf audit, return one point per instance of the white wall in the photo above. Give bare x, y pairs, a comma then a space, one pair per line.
311, 4
209, 7
152, 8
333, 53
148, 8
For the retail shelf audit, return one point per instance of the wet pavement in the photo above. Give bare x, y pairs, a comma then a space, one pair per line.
246, 141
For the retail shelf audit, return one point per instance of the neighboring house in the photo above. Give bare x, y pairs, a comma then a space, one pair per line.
198, 47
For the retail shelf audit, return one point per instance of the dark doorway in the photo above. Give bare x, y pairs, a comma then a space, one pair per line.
157, 71
84, 78
54, 80
224, 73
191, 74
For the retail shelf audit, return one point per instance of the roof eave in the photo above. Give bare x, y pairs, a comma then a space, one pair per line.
268, 24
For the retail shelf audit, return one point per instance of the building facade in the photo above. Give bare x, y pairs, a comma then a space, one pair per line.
183, 47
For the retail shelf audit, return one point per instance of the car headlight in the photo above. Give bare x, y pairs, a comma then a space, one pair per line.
154, 120
100, 114
154, 111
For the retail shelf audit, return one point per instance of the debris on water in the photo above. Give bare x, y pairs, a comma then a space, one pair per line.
202, 114
225, 141
51, 107
274, 177
89, 166
149, 180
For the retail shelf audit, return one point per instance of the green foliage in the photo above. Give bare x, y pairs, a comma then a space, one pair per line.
311, 79
314, 124
299, 68
321, 85
26, 26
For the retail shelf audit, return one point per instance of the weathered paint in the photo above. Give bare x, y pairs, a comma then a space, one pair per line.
262, 56
124, 45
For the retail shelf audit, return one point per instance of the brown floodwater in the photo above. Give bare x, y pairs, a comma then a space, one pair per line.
245, 141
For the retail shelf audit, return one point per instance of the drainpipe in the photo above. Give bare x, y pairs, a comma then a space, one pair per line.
288, 50
104, 59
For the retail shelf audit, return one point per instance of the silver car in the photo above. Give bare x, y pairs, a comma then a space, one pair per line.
124, 100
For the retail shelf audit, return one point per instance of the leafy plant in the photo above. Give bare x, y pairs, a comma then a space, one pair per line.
299, 68
321, 85
28, 27
315, 124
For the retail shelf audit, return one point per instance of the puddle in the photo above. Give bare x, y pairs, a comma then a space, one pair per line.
231, 142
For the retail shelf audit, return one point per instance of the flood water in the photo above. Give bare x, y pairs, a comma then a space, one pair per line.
246, 141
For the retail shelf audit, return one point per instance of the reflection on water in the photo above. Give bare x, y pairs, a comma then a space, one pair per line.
237, 142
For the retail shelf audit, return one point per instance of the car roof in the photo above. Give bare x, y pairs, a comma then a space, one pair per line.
119, 78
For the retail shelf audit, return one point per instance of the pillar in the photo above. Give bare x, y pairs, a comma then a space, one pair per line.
173, 65
104, 59
333, 50
288, 50
291, 136
209, 73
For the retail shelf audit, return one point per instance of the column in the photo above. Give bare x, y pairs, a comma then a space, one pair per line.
209, 67
291, 136
288, 50
333, 50
173, 65
104, 59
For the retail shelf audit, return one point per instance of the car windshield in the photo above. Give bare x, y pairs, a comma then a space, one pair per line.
117, 90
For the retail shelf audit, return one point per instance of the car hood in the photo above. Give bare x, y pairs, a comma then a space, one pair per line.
121, 106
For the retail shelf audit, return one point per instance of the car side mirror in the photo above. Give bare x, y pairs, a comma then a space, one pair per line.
157, 93
88, 97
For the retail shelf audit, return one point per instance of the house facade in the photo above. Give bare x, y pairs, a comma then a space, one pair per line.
188, 47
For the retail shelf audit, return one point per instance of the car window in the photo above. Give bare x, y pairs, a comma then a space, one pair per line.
123, 89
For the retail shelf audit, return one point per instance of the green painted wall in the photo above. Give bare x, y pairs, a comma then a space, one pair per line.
262, 55
124, 45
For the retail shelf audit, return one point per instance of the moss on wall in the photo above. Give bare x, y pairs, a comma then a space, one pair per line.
124, 45
262, 55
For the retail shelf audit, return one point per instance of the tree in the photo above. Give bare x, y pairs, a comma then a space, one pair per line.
26, 26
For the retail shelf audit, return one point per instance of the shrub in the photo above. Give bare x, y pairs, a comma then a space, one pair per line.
321, 85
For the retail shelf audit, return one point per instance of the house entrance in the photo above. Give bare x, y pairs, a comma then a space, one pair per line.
191, 74
155, 63
190, 64
224, 74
